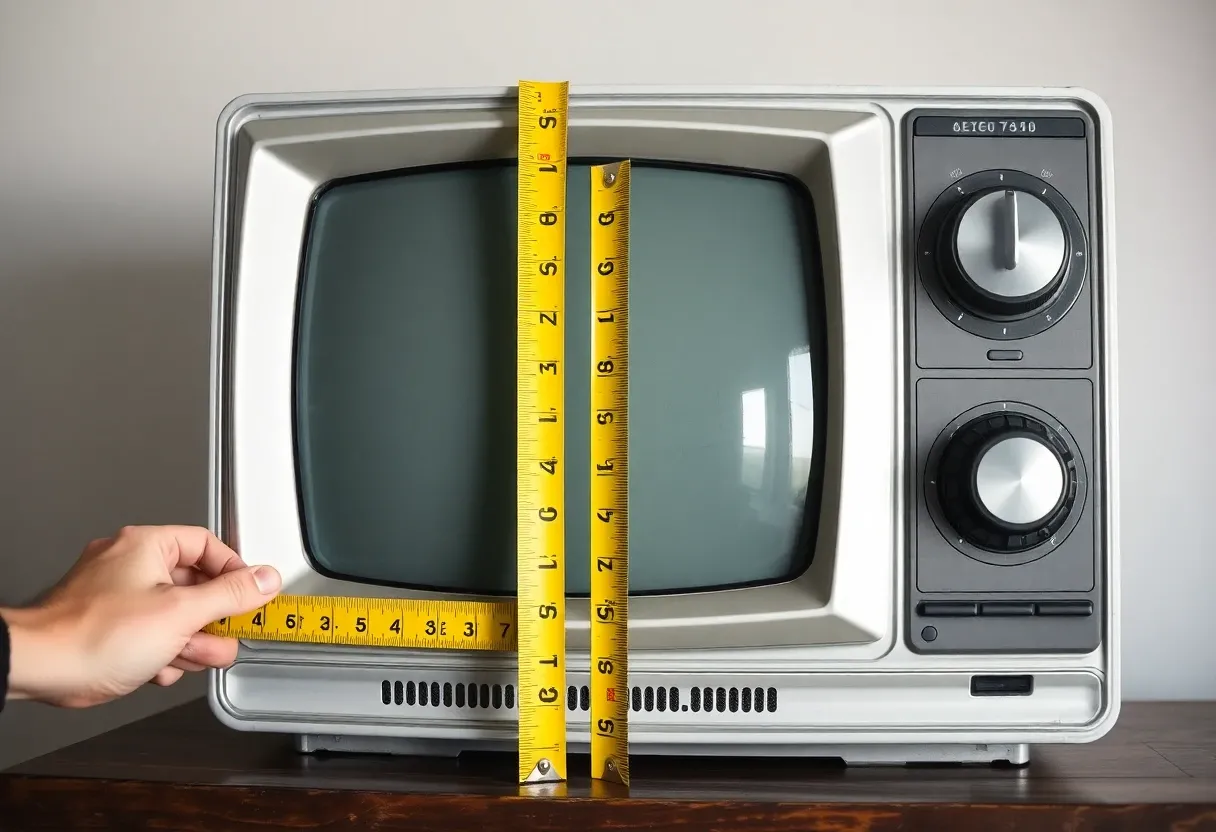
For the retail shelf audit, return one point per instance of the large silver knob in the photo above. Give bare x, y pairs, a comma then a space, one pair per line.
1019, 481
1005, 481
1009, 249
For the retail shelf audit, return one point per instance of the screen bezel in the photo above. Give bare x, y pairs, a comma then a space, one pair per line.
842, 155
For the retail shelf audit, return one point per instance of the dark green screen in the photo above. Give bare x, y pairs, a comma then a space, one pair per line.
405, 368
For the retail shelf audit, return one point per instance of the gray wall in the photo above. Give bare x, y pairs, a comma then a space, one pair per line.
105, 185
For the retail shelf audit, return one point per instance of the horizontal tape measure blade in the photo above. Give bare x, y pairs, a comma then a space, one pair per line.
378, 622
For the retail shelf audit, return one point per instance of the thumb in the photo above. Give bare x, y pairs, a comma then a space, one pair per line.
232, 593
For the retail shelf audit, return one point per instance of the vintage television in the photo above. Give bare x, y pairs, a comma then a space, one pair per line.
873, 486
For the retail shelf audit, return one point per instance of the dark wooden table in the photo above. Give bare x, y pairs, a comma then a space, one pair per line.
182, 770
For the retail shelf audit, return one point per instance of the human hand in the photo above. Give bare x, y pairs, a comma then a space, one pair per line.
130, 612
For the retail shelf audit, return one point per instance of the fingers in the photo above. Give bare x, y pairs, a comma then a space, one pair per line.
202, 652
198, 547
232, 593
167, 676
187, 576
205, 650
186, 546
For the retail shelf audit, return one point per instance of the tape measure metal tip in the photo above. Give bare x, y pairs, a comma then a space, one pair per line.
613, 773
543, 772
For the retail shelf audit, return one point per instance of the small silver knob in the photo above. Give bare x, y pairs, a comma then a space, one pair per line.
1020, 481
1010, 243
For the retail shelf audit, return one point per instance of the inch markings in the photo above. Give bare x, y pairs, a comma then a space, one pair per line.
610, 472
540, 430
378, 622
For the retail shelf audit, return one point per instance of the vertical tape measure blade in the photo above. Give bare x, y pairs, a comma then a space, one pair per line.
540, 430
610, 472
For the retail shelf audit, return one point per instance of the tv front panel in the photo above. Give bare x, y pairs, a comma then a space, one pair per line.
888, 533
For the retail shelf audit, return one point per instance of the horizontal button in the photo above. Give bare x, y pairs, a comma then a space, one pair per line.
1007, 608
948, 608
1066, 608
1004, 355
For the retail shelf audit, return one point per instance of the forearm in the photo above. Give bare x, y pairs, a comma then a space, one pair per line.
31, 654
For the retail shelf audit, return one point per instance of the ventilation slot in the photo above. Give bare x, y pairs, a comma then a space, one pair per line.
450, 694
462, 696
700, 700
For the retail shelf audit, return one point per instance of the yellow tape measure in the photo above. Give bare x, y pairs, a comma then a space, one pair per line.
610, 472
378, 622
534, 623
540, 431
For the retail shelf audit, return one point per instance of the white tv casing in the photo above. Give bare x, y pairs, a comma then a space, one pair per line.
831, 643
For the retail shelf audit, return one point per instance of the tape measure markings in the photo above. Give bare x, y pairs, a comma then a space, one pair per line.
540, 434
378, 622
610, 472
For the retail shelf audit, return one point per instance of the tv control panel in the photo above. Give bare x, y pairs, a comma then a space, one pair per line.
1004, 382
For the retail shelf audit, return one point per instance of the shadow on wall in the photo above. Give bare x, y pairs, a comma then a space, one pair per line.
103, 422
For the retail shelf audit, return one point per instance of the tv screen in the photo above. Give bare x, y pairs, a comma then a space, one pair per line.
405, 379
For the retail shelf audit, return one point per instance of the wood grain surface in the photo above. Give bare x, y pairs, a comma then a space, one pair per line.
183, 770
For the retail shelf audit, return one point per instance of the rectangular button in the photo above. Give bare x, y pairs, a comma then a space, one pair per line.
948, 608
1007, 608
1004, 355
1066, 608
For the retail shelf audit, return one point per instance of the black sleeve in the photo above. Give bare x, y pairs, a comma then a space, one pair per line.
4, 661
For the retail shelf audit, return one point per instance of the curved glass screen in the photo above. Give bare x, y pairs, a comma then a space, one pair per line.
405, 367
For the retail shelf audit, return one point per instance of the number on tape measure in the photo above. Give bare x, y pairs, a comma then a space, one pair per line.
610, 472
378, 622
540, 434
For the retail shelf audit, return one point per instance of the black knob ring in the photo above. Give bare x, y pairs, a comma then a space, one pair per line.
954, 506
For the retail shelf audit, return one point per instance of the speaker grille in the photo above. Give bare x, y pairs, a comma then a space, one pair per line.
671, 699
